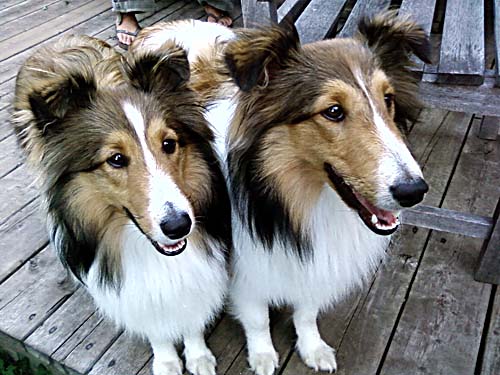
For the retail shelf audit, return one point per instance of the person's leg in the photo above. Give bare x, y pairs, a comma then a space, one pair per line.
127, 26
218, 11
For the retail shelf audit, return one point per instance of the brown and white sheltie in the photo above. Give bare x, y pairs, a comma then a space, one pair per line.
318, 166
137, 203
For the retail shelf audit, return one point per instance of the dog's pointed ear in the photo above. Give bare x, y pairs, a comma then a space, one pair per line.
393, 38
158, 70
58, 97
253, 56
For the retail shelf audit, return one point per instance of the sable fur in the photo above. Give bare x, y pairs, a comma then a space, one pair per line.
74, 106
297, 241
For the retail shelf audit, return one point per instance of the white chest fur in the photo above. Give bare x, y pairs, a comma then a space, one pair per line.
162, 297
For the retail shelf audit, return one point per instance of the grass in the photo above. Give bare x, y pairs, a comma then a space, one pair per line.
8, 366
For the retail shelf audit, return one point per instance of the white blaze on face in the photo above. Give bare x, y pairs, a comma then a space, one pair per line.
162, 188
396, 164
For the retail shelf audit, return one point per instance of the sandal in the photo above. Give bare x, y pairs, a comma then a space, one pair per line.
119, 20
218, 18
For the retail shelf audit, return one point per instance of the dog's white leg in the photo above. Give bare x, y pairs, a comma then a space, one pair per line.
166, 361
254, 316
199, 359
312, 349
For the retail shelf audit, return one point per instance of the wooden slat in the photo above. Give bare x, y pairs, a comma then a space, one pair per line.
256, 12
17, 189
361, 9
491, 357
55, 26
61, 325
440, 329
462, 58
15, 248
32, 294
488, 268
481, 100
421, 12
318, 19
489, 128
127, 355
290, 8
496, 25
10, 156
25, 17
448, 221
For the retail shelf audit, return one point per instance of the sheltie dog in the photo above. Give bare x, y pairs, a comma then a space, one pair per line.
317, 162
137, 204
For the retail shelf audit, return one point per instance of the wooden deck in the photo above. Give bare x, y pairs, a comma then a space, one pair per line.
422, 313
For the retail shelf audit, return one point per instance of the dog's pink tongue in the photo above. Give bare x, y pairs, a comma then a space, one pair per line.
383, 215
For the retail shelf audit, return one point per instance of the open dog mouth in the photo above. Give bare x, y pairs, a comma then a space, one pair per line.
379, 221
168, 250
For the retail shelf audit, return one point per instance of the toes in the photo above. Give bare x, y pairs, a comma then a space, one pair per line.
204, 365
263, 363
167, 368
321, 359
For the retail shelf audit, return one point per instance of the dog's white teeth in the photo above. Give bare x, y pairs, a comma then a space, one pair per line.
374, 219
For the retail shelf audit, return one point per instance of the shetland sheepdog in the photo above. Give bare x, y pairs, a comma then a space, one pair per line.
137, 204
316, 158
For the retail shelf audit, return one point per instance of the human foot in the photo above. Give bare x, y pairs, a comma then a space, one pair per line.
215, 15
127, 29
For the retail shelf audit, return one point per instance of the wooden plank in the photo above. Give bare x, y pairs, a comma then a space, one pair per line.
10, 156
482, 100
488, 267
450, 221
61, 325
447, 340
422, 12
23, 18
5, 125
496, 25
17, 189
491, 357
319, 19
16, 248
361, 9
87, 352
56, 26
103, 22
114, 363
489, 128
462, 57
5, 4
257, 12
32, 294
291, 8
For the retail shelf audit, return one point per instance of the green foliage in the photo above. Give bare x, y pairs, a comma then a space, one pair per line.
21, 367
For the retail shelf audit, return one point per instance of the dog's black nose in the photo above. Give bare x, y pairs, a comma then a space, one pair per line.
176, 225
409, 193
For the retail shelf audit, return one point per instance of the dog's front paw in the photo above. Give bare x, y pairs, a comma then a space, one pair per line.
173, 367
320, 358
263, 363
204, 365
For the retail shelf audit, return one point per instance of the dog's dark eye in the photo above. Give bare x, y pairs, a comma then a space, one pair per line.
334, 113
389, 100
118, 160
169, 145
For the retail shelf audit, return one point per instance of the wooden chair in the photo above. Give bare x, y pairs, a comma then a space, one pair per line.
459, 81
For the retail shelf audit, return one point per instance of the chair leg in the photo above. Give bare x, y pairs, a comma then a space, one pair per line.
488, 266
489, 128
